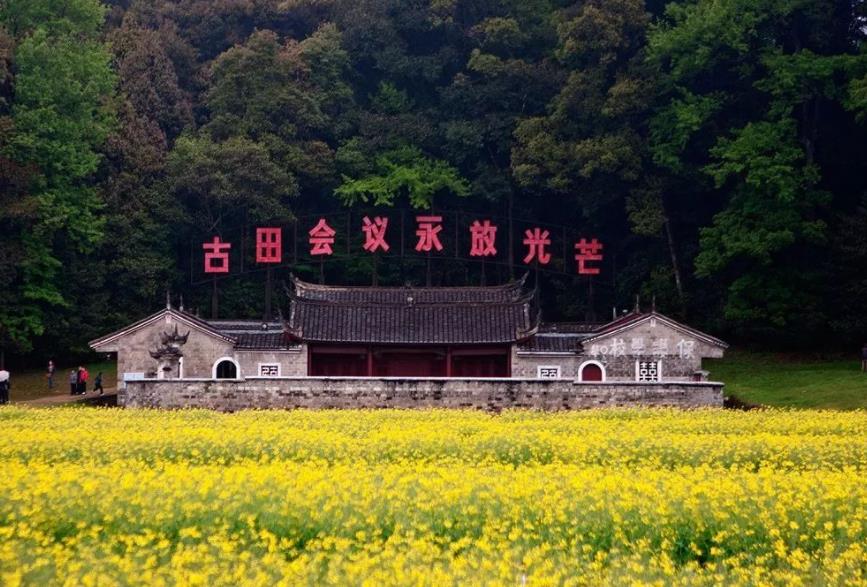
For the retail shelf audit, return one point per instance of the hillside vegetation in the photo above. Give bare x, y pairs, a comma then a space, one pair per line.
714, 147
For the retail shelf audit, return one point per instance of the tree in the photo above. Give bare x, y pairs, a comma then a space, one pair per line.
289, 97
746, 83
403, 172
61, 113
221, 182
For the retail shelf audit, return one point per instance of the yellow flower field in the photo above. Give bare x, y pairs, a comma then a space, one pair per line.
649, 497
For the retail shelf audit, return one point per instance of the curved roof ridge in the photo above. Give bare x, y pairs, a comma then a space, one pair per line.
520, 301
511, 284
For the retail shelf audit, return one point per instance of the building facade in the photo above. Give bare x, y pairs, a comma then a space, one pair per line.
460, 333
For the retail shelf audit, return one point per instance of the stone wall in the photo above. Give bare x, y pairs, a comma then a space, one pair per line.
339, 392
526, 364
293, 362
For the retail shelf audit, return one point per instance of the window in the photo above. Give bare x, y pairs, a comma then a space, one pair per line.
225, 368
591, 371
269, 369
548, 372
648, 370
131, 377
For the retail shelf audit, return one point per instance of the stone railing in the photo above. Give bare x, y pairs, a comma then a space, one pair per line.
405, 392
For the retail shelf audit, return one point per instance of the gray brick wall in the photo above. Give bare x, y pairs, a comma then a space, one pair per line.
526, 364
487, 394
200, 352
680, 352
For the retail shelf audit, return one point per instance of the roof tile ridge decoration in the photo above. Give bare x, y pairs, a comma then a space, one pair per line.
414, 303
300, 285
524, 334
291, 334
628, 318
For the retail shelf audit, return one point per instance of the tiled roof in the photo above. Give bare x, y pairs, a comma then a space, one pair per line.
553, 343
569, 327
411, 315
262, 341
253, 334
506, 293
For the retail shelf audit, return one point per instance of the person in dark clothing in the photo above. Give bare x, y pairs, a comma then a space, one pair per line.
97, 383
864, 357
73, 382
50, 374
4, 386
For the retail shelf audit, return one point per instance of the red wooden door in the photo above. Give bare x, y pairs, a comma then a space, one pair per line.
591, 372
409, 364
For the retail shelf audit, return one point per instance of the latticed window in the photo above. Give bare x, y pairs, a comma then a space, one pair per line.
648, 370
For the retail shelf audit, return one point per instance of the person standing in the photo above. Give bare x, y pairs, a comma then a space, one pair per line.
864, 358
50, 374
4, 386
97, 383
73, 382
82, 379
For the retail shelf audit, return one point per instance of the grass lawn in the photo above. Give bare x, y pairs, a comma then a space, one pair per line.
795, 382
33, 384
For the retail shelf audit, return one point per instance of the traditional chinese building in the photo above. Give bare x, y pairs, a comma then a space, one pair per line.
392, 333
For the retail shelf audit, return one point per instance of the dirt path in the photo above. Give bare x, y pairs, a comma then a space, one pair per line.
64, 398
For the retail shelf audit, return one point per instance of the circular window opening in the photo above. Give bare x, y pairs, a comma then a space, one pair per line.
227, 370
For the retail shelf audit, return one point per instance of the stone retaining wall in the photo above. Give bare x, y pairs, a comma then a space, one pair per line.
351, 392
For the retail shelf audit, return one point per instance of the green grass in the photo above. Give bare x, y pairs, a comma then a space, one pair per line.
33, 384
793, 382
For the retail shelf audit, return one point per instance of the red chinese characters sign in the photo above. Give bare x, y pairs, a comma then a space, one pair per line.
429, 228
484, 236
321, 238
536, 241
374, 235
269, 247
588, 252
216, 256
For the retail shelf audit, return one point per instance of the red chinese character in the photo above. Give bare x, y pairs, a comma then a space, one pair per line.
268, 245
536, 241
374, 234
483, 235
588, 251
428, 229
321, 238
216, 256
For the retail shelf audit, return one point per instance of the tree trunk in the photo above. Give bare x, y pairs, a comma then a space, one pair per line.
675, 265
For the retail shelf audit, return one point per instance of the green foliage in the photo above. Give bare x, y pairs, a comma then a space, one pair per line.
221, 180
54, 17
749, 85
61, 113
403, 172
714, 146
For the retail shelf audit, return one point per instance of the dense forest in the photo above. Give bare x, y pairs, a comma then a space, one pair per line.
716, 147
